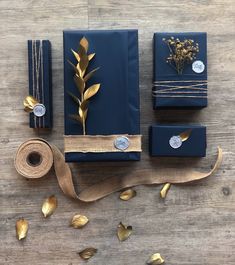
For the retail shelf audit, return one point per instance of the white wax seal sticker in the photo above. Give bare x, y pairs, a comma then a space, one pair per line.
122, 143
39, 110
198, 67
175, 142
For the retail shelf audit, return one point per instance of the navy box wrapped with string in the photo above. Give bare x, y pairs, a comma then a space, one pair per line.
174, 87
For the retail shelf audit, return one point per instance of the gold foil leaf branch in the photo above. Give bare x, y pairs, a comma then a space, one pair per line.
22, 227
181, 52
80, 78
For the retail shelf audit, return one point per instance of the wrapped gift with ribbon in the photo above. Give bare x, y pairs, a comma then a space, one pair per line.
101, 85
177, 140
39, 101
180, 70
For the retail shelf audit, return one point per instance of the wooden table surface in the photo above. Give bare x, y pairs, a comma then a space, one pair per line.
195, 224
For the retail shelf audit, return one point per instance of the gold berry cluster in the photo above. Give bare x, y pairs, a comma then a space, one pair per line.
181, 52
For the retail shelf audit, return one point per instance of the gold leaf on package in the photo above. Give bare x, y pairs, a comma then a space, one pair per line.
87, 253
123, 231
29, 103
155, 259
127, 194
22, 227
79, 221
81, 76
164, 190
185, 135
49, 206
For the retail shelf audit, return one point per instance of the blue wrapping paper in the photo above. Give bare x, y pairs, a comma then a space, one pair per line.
162, 71
160, 135
115, 108
40, 80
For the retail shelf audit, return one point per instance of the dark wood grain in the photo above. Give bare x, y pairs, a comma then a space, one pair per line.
195, 224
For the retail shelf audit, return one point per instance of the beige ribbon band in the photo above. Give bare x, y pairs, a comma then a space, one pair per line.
99, 143
48, 156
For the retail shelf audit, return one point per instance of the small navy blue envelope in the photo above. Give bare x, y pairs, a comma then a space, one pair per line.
115, 108
173, 90
164, 140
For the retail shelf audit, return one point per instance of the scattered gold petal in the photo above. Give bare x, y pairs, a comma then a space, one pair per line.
91, 56
127, 194
79, 221
155, 259
164, 190
21, 228
123, 232
185, 135
49, 206
87, 253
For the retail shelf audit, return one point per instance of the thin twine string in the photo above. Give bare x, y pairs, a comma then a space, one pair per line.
164, 87
37, 62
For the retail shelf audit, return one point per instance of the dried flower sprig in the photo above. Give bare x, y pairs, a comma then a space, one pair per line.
181, 52
80, 78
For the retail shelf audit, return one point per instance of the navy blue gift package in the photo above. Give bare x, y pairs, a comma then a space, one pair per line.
101, 93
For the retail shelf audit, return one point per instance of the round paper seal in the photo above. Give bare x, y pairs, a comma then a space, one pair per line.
122, 143
198, 67
39, 110
175, 142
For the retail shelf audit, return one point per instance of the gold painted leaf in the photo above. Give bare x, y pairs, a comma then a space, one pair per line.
90, 74
22, 227
83, 60
76, 55
29, 103
185, 135
91, 56
87, 253
49, 205
124, 232
75, 99
74, 67
79, 83
84, 43
76, 117
165, 190
84, 105
155, 259
91, 91
127, 194
79, 221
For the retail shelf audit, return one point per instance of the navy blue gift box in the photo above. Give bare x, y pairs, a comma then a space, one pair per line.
40, 80
165, 140
115, 108
173, 90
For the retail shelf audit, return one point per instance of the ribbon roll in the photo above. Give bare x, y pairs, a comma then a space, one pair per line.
35, 158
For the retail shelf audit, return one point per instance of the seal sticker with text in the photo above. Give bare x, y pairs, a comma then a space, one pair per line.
198, 67
177, 140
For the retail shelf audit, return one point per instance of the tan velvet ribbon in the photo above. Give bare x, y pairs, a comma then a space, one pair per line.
52, 157
99, 143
